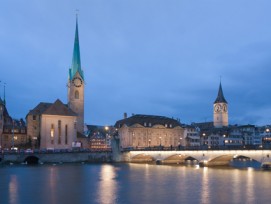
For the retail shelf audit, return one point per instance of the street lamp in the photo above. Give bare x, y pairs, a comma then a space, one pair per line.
12, 134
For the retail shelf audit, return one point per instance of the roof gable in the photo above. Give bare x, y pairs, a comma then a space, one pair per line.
58, 108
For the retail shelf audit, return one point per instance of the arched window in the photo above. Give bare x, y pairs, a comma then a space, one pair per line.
76, 95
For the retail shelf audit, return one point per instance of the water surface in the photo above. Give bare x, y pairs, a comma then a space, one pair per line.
132, 183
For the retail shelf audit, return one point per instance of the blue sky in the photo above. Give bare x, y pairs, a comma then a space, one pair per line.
159, 57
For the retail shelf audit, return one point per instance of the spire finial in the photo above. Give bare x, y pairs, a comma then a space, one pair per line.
76, 13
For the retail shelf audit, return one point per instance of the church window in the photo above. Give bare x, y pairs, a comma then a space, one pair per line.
66, 134
59, 132
52, 133
76, 94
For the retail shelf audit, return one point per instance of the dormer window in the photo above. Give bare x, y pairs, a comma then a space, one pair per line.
166, 125
149, 124
170, 125
145, 124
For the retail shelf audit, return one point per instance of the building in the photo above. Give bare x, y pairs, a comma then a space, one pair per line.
141, 131
52, 125
220, 107
191, 136
12, 132
99, 137
57, 125
76, 85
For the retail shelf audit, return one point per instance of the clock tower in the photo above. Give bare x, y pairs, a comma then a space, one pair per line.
220, 109
76, 84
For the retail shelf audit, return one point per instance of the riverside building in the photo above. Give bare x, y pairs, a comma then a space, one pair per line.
141, 131
58, 125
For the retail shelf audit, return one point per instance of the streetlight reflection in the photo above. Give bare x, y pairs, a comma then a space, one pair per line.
107, 185
13, 190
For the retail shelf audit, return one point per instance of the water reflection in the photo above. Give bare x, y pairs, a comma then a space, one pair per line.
205, 197
52, 184
13, 189
107, 185
250, 186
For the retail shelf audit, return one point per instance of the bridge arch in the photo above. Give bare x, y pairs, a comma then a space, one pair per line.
178, 159
226, 159
31, 160
142, 158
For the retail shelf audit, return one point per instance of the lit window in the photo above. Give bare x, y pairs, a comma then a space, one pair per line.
66, 134
52, 133
59, 132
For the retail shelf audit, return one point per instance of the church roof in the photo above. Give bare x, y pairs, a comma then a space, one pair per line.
220, 97
76, 61
148, 120
40, 108
58, 108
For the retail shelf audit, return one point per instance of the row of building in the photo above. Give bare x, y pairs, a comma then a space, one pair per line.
61, 125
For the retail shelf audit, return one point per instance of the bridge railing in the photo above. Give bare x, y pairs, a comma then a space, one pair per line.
56, 151
205, 147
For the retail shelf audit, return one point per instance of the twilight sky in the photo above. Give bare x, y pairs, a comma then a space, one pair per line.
158, 57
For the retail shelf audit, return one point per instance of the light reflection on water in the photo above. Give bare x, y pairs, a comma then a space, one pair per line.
132, 183
107, 185
13, 189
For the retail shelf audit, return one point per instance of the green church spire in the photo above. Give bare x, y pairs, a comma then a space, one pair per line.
76, 61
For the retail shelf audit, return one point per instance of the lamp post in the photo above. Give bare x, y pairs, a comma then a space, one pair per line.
12, 134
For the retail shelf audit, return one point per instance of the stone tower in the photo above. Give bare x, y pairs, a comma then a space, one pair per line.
76, 84
220, 109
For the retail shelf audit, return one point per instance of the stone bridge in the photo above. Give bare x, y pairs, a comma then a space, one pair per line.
56, 157
204, 157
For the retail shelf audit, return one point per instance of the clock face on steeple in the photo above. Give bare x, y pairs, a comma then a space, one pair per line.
217, 108
77, 82
225, 108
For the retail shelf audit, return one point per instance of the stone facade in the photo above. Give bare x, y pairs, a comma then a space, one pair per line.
76, 100
57, 132
141, 131
52, 125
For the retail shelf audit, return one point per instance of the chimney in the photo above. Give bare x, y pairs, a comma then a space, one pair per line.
125, 115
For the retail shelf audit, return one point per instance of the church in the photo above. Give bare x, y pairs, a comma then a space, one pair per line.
57, 125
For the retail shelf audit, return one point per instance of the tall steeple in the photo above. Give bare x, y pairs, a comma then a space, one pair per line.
220, 97
220, 106
76, 61
76, 84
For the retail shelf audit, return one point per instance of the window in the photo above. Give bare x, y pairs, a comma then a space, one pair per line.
52, 133
76, 94
34, 117
66, 134
59, 132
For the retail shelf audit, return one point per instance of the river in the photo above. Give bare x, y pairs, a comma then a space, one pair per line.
132, 184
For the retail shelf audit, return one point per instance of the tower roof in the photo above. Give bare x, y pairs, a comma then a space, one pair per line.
220, 97
76, 61
1, 101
